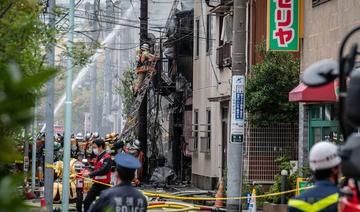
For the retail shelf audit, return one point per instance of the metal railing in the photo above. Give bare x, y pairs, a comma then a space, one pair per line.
266, 144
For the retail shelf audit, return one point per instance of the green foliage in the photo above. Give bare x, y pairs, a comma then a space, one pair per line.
126, 89
267, 88
290, 183
23, 38
81, 53
11, 200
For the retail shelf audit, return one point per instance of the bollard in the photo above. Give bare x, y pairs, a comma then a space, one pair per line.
284, 174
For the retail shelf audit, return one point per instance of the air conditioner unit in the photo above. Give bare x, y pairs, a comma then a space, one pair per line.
227, 54
204, 145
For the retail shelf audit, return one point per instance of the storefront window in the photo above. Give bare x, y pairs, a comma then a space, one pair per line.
316, 112
323, 124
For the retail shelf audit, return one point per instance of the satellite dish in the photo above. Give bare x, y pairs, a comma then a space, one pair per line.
320, 73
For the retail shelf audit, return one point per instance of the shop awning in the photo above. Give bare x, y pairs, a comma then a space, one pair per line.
303, 93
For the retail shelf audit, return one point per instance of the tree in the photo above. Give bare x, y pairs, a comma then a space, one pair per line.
23, 39
126, 89
267, 88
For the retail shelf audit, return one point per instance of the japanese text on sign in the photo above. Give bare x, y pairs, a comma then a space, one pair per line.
237, 109
283, 25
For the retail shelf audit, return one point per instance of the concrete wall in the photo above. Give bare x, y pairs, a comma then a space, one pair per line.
324, 28
206, 167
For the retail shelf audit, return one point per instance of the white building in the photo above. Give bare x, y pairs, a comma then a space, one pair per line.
211, 95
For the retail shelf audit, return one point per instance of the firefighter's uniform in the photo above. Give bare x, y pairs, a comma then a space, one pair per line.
323, 197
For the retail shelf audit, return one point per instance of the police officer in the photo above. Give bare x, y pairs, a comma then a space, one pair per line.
123, 197
101, 173
324, 163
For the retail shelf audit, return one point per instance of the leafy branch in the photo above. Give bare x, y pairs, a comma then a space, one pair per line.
267, 88
126, 89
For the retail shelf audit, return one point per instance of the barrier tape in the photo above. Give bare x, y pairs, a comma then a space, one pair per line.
170, 196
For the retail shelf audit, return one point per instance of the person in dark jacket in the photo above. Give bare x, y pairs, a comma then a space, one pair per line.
101, 173
324, 163
123, 197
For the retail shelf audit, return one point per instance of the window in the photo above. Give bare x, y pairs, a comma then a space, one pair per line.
197, 49
221, 21
318, 2
196, 129
208, 33
208, 130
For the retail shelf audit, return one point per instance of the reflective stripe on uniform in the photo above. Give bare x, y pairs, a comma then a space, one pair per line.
100, 177
317, 206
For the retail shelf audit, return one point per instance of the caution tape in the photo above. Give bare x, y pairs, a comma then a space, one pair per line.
170, 196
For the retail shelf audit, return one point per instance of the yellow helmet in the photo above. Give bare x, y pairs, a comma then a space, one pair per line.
113, 134
107, 137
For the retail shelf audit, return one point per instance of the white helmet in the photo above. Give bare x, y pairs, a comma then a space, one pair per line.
79, 136
145, 46
323, 155
136, 144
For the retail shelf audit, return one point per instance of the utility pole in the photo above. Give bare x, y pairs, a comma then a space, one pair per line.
49, 137
107, 74
93, 75
117, 71
142, 116
33, 149
68, 111
235, 145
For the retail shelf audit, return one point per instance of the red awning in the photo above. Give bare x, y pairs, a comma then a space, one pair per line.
303, 93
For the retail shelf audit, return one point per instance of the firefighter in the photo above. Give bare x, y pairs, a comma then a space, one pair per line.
74, 146
95, 135
80, 143
144, 59
108, 140
101, 173
79, 167
135, 150
122, 197
87, 144
324, 163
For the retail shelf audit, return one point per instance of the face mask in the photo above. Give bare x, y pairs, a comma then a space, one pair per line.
96, 151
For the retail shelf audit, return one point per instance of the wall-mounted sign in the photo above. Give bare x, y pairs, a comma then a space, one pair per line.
238, 109
282, 25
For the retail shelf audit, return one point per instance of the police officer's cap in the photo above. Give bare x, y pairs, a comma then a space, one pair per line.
127, 161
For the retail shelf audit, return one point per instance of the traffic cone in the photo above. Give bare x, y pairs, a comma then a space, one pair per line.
220, 194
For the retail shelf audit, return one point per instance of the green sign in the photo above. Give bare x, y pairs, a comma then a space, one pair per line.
304, 184
237, 138
282, 25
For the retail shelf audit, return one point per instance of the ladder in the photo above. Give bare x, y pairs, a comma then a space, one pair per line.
132, 119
